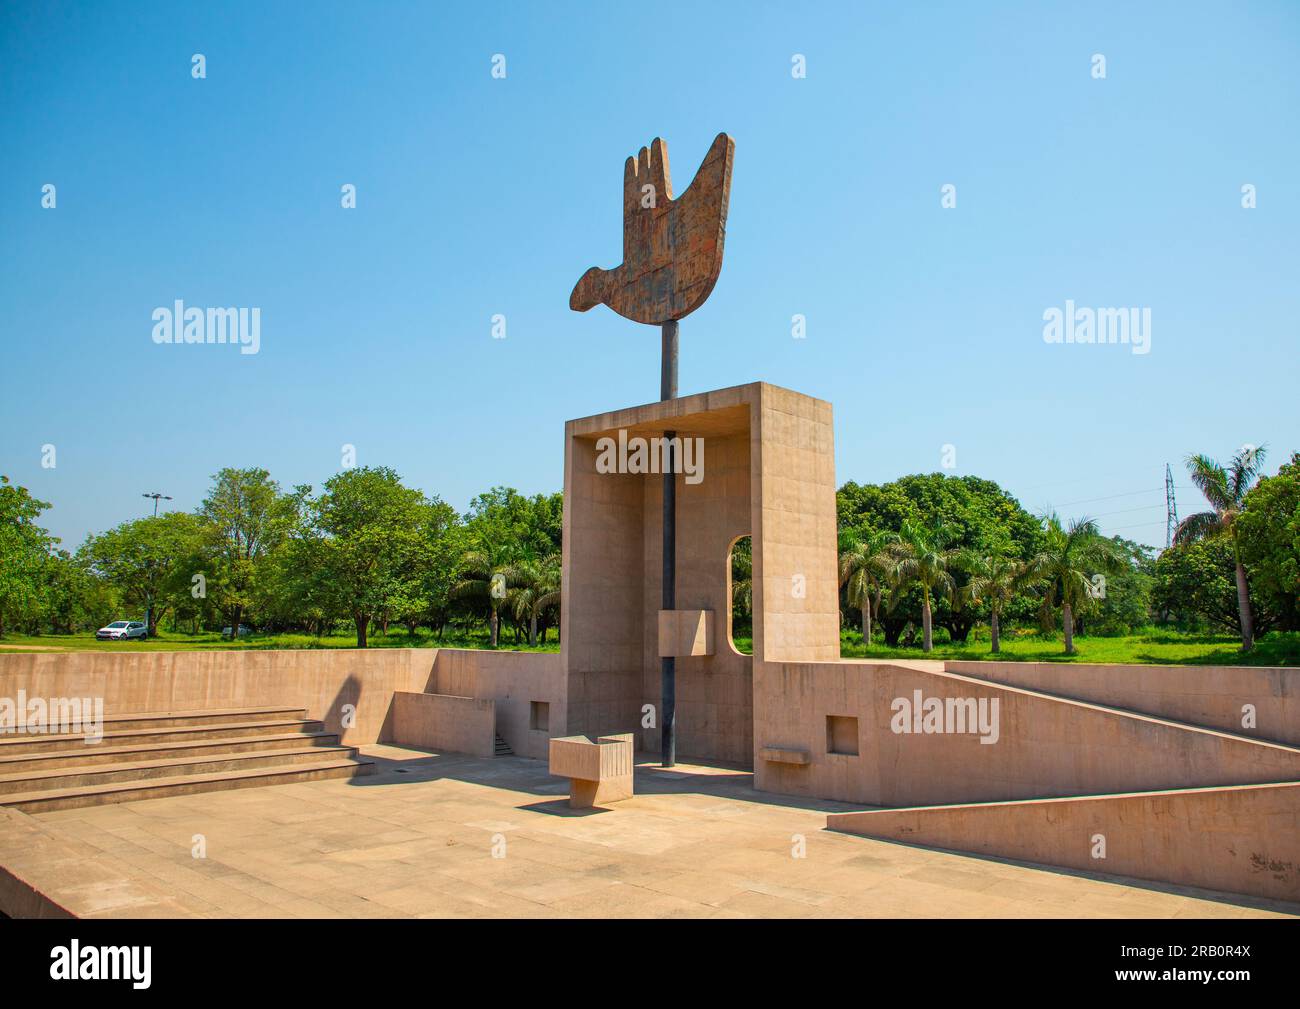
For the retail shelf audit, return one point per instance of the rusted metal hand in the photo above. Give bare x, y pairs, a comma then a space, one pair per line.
672, 249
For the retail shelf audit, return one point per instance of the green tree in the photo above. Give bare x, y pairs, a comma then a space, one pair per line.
864, 569
73, 599
979, 516
368, 537
1225, 490
483, 578
299, 595
742, 584
149, 561
24, 549
248, 519
1268, 532
921, 557
445, 548
1125, 603
994, 579
533, 587
1070, 558
1196, 584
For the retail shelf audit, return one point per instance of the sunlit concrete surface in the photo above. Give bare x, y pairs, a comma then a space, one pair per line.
419, 837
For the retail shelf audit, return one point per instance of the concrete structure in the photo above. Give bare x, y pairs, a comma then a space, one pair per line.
1220, 697
126, 757
1186, 774
599, 772
1240, 839
1038, 745
347, 689
417, 838
768, 472
444, 721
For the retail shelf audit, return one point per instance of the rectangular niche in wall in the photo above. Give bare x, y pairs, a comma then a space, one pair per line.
539, 715
842, 735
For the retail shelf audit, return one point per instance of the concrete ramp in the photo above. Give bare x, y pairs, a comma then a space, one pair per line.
1083, 785
1242, 839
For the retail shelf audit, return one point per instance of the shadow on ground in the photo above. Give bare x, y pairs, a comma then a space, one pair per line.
522, 774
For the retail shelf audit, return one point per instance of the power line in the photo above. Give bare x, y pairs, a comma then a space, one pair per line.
1132, 493
1125, 511
1083, 479
1110, 497
1136, 525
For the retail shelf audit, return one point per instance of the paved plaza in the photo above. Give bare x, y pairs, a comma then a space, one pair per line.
454, 836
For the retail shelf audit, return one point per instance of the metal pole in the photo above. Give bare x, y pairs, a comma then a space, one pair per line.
668, 664
148, 603
668, 362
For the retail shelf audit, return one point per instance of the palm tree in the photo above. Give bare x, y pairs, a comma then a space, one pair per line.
1069, 557
994, 578
1225, 490
920, 556
483, 576
742, 577
864, 566
534, 585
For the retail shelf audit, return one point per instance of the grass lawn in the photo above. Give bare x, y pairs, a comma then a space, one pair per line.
1154, 645
1151, 646
212, 641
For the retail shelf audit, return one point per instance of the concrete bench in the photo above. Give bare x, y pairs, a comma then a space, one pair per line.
599, 772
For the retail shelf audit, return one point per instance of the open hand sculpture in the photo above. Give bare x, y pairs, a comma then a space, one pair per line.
672, 249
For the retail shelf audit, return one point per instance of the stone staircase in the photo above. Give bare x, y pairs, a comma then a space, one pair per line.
502, 748
157, 754
1189, 803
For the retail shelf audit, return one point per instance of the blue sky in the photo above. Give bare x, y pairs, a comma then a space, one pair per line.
479, 196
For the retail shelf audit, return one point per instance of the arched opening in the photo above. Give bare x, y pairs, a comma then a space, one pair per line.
740, 592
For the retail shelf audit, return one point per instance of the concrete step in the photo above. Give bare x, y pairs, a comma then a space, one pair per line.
182, 719
93, 756
166, 767
166, 734
36, 882
502, 748
193, 784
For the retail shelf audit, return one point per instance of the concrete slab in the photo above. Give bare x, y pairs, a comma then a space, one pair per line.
433, 835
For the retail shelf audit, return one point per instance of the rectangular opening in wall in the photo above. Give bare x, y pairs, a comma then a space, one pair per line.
842, 735
539, 715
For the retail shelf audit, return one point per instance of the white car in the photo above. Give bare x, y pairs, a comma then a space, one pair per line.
122, 630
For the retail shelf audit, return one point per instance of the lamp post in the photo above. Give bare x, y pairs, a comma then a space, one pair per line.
156, 498
148, 602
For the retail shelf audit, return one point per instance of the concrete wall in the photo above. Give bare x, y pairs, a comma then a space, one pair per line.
1046, 746
1244, 839
714, 692
769, 472
796, 578
603, 587
442, 722
512, 681
613, 566
321, 681
1202, 695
